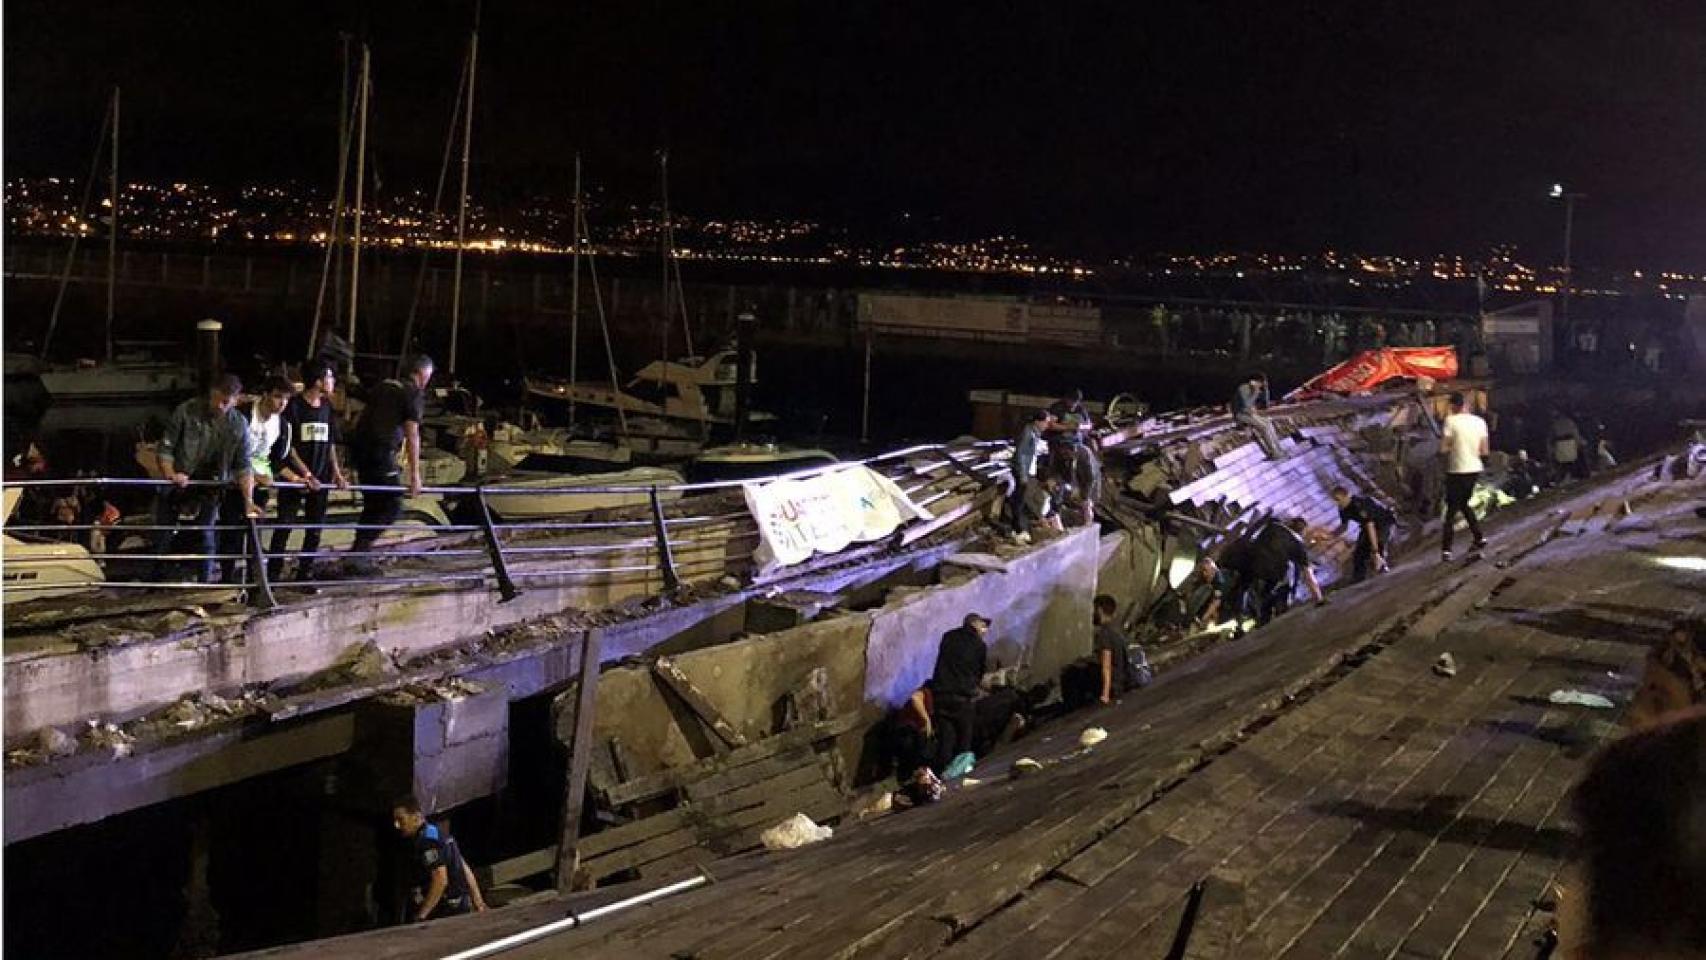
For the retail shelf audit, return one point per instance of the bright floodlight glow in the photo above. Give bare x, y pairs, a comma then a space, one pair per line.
1691, 564
1557, 190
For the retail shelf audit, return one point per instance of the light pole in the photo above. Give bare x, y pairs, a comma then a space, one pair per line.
1569, 198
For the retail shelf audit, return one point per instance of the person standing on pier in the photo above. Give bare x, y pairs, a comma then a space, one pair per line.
1027, 459
313, 462
391, 420
961, 662
1462, 445
1247, 406
204, 441
266, 443
1374, 521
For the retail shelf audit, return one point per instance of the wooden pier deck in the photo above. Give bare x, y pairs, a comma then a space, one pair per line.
1329, 792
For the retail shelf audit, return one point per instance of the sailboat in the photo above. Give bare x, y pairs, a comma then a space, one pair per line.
118, 377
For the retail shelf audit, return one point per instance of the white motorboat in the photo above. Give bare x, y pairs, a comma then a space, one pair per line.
695, 391
521, 495
36, 567
122, 380
752, 461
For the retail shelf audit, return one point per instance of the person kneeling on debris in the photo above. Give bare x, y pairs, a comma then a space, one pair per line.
1193, 604
441, 879
1277, 552
1374, 521
961, 662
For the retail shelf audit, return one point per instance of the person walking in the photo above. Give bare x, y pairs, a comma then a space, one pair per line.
391, 421
1462, 445
312, 425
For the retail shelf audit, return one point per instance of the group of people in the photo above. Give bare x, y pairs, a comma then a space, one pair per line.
224, 460
1056, 473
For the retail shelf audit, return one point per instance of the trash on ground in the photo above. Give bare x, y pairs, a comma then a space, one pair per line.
960, 766
1446, 665
1092, 736
1024, 767
1580, 698
796, 831
924, 787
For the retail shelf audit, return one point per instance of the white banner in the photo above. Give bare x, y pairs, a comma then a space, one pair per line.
825, 513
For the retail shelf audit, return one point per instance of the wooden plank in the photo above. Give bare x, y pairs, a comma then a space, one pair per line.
580, 759
663, 781
670, 675
742, 776
752, 794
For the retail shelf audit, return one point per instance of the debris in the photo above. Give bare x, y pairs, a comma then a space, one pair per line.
108, 736
873, 805
1446, 665
970, 782
1092, 736
729, 583
924, 787
960, 766
53, 742
1024, 767
794, 832
1579, 698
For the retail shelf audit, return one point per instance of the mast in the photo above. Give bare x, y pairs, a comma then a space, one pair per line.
575, 300
112, 231
82, 215
331, 262
603, 322
664, 242
437, 205
462, 197
364, 90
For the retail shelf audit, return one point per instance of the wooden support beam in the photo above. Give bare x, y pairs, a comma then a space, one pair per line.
671, 677
580, 758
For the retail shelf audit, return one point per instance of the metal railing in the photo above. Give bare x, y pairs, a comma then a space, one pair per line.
671, 520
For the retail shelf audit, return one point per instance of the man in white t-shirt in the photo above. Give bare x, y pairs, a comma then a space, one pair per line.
1462, 446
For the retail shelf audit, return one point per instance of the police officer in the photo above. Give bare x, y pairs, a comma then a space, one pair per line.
441, 884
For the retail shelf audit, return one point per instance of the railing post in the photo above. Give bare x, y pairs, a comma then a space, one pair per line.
506, 586
666, 556
261, 596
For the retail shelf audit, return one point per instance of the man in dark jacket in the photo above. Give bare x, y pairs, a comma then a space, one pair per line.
961, 662
1277, 552
204, 441
1374, 521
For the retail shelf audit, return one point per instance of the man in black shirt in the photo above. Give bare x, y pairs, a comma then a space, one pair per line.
391, 420
961, 662
1374, 522
1276, 551
312, 426
1110, 649
441, 883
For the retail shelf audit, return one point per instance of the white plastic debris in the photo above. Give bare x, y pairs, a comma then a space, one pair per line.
1024, 767
54, 742
1092, 736
1446, 665
1579, 698
794, 832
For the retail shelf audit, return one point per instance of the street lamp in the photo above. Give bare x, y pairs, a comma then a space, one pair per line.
1569, 198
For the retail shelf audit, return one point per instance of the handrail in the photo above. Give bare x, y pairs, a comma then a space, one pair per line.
647, 532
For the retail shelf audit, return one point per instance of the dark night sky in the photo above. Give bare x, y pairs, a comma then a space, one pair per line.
1375, 124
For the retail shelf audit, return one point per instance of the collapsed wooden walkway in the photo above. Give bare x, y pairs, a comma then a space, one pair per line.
1324, 791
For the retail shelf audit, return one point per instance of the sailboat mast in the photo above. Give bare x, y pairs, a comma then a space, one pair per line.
664, 242
363, 92
112, 232
82, 215
575, 299
462, 198
437, 205
333, 266
603, 321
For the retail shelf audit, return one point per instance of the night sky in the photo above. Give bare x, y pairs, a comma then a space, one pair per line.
1404, 127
